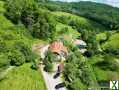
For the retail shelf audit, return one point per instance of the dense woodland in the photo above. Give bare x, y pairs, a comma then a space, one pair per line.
22, 22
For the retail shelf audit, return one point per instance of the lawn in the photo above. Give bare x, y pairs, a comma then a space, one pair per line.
23, 78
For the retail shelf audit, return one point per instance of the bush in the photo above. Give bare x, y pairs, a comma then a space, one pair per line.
16, 57
48, 67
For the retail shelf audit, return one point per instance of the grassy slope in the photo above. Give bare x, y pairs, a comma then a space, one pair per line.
23, 78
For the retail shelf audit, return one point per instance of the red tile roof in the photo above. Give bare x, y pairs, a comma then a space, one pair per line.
58, 47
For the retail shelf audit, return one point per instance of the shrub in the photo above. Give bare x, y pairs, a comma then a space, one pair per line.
48, 67
16, 57
50, 57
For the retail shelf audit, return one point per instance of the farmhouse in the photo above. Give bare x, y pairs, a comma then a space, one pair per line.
59, 50
56, 48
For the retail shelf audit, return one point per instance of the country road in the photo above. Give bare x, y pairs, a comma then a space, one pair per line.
50, 81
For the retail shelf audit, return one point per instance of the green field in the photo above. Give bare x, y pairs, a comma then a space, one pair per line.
23, 78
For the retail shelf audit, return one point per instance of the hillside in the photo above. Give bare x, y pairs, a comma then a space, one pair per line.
25, 24
101, 13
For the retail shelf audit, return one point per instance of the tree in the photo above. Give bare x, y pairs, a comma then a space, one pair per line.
77, 70
16, 57
49, 57
35, 62
38, 23
25, 50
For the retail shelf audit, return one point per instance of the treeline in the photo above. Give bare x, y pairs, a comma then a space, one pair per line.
101, 13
